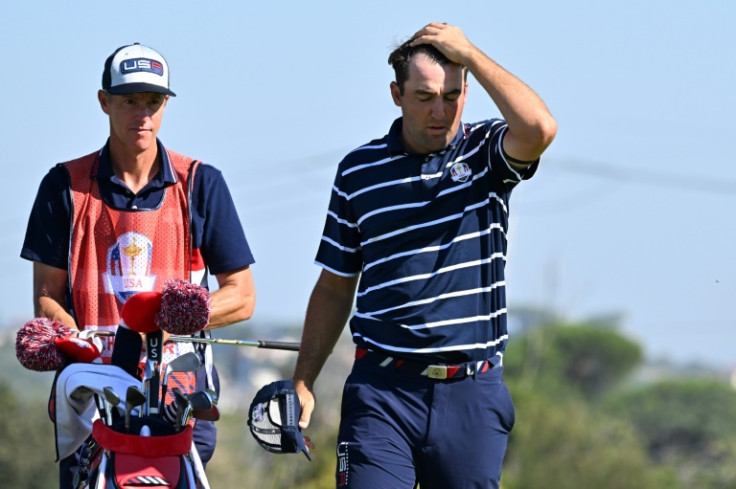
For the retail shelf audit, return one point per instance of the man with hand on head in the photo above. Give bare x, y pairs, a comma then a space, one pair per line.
420, 217
131, 217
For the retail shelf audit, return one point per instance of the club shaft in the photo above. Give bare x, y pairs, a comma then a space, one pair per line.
128, 408
273, 345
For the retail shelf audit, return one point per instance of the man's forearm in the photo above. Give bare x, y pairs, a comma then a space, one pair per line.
526, 114
49, 294
235, 299
327, 314
229, 306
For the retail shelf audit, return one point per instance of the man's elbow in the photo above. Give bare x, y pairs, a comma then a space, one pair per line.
544, 133
245, 312
246, 315
528, 142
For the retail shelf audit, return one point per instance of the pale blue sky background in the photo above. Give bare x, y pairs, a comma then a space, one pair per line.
631, 212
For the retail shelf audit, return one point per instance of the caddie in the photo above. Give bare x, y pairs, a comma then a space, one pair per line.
131, 216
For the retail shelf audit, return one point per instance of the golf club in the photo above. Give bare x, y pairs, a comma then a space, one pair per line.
188, 362
182, 405
112, 400
212, 394
134, 397
267, 344
204, 406
101, 407
273, 345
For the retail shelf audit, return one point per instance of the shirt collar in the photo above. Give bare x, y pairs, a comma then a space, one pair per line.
396, 147
103, 168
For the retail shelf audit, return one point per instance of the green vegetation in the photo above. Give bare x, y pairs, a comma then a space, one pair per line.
27, 449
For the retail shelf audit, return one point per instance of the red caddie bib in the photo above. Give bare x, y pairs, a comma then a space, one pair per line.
116, 253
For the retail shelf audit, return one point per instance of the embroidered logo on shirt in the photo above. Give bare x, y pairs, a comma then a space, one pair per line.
129, 266
460, 172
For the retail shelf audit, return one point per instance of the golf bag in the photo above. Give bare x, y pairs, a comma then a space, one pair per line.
163, 459
134, 450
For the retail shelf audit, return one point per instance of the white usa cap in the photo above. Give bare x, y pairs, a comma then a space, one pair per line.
136, 68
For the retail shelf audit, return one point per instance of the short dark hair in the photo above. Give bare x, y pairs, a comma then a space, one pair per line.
401, 56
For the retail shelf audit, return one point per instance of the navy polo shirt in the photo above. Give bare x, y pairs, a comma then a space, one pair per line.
216, 228
427, 233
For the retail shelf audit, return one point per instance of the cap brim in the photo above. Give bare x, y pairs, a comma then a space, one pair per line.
129, 88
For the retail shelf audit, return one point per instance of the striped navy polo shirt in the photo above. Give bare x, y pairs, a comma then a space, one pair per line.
428, 234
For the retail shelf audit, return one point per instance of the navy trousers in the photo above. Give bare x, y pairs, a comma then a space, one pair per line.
398, 429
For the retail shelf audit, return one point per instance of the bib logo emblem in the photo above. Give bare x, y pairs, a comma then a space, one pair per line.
460, 172
129, 266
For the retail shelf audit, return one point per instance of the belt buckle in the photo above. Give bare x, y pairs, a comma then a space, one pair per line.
438, 372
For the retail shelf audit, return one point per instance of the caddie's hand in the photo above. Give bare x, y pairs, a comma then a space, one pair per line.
307, 401
165, 336
449, 39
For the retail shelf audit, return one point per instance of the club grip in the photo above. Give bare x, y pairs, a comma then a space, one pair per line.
279, 345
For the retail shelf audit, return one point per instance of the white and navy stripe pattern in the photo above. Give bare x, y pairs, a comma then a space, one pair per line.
431, 250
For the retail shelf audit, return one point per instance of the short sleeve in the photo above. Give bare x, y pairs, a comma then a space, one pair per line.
503, 174
47, 234
339, 250
216, 227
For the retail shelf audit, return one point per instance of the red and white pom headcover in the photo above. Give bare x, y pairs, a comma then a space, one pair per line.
185, 308
76, 349
35, 345
139, 311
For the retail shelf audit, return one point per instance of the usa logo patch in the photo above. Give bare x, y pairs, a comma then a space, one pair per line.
144, 65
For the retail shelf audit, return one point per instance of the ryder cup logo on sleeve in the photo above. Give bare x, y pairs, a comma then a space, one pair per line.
136, 68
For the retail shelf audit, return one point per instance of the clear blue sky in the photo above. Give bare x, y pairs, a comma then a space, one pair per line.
631, 212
